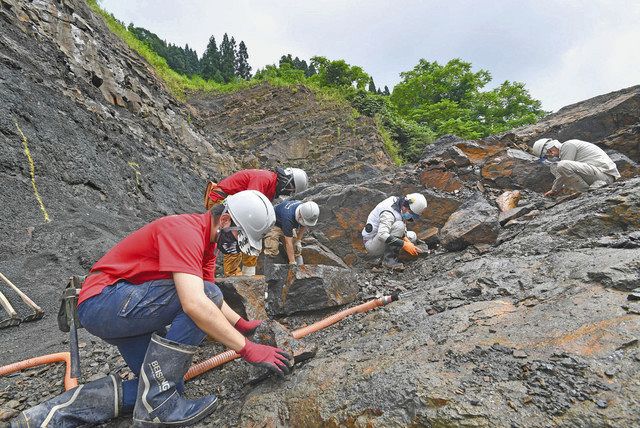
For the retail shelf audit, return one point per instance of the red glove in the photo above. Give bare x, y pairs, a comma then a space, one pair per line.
266, 356
247, 328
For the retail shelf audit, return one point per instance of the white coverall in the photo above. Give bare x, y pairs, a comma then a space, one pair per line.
581, 164
385, 221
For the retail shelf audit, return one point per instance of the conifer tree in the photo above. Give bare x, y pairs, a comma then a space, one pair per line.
243, 69
372, 86
227, 57
386, 90
210, 62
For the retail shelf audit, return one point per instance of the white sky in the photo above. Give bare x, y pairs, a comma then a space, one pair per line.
565, 51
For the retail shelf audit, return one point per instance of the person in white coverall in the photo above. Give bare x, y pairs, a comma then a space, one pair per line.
582, 165
385, 233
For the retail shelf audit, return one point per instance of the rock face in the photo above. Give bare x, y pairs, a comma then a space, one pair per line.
532, 333
539, 329
271, 126
476, 222
109, 148
514, 168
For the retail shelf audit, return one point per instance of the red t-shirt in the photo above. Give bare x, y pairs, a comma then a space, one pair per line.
250, 179
176, 243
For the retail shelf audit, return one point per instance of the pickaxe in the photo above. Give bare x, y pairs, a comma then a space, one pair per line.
13, 319
37, 310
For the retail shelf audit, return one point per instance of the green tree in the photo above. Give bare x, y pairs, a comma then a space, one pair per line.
338, 73
227, 58
372, 86
210, 62
243, 69
449, 99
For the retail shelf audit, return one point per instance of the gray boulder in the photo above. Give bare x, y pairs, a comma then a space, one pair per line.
307, 288
476, 222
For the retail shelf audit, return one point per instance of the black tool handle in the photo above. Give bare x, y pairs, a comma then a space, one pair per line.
75, 352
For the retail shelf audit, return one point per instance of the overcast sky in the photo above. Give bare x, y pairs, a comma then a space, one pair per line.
564, 51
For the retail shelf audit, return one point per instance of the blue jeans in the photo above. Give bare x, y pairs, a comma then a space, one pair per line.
127, 315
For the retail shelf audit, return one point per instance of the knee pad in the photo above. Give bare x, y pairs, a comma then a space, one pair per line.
213, 292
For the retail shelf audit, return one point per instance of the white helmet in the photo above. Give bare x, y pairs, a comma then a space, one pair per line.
300, 179
541, 146
417, 202
252, 212
307, 213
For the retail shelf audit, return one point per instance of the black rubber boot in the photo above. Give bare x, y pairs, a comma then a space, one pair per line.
89, 404
390, 258
158, 402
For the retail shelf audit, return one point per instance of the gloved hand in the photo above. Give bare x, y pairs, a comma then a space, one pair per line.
297, 245
247, 328
293, 266
269, 357
409, 247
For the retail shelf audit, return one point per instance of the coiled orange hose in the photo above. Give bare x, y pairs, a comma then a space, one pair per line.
69, 382
229, 355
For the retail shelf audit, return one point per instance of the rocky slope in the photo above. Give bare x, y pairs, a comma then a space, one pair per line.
269, 126
518, 318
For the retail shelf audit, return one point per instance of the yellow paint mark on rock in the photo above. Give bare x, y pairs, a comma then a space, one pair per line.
32, 173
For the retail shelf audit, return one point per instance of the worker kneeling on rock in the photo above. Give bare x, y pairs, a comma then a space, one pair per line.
272, 184
386, 233
292, 220
582, 165
160, 275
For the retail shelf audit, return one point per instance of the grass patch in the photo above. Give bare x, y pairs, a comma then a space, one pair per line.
392, 148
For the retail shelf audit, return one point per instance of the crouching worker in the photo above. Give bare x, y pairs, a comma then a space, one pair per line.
160, 275
272, 184
582, 165
385, 233
292, 218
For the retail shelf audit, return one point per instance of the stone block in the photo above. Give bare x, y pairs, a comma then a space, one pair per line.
307, 288
245, 295
476, 222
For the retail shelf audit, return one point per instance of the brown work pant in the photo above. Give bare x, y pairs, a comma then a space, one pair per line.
233, 263
272, 243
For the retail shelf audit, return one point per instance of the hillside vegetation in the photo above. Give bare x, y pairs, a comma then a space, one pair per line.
432, 99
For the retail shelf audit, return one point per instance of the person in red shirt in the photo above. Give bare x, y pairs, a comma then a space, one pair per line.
272, 184
161, 275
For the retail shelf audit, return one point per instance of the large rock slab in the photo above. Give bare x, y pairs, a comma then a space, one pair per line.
515, 168
307, 288
476, 222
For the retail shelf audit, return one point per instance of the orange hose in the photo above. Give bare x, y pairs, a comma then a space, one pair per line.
229, 355
213, 362
326, 322
65, 357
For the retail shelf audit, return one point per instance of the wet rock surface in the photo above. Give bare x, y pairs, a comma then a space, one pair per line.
541, 328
